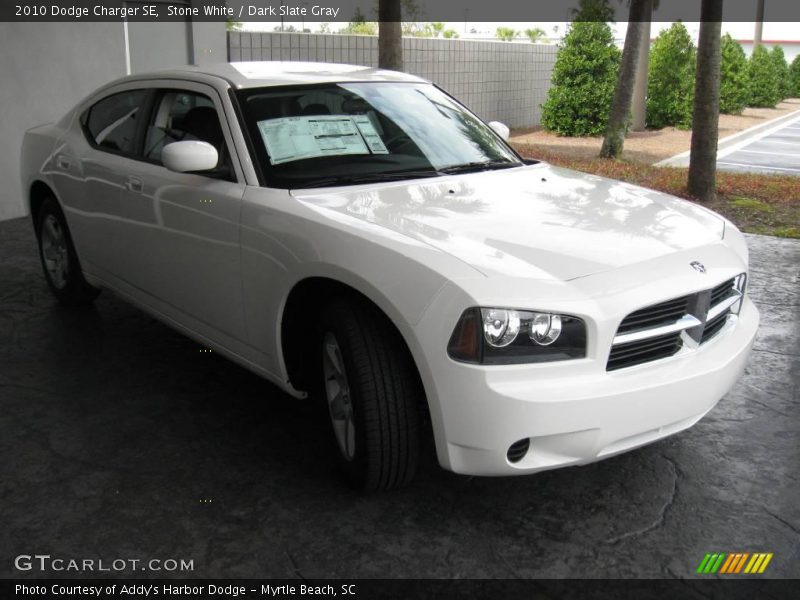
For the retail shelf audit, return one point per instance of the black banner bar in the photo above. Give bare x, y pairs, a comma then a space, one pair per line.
733, 588
344, 10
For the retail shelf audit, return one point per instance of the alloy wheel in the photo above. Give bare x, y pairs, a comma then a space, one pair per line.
337, 391
54, 251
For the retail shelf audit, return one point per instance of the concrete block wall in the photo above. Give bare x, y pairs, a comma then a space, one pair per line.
47, 68
500, 81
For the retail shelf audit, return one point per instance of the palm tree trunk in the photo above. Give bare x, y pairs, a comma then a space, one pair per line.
639, 102
390, 35
705, 119
623, 93
759, 24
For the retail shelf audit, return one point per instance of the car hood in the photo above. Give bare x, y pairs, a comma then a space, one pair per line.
537, 221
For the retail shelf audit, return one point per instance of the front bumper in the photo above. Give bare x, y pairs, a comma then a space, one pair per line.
574, 413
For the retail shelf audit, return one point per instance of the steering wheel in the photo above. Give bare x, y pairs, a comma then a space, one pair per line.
397, 142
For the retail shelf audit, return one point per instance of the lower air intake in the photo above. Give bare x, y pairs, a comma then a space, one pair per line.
518, 450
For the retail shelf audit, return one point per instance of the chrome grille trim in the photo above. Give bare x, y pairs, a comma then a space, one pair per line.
644, 335
685, 322
662, 313
713, 327
626, 355
723, 305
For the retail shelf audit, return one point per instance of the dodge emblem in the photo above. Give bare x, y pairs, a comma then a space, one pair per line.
698, 266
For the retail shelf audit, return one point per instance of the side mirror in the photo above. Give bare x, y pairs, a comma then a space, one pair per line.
189, 156
500, 129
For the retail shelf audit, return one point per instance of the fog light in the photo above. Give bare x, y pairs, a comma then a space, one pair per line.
518, 450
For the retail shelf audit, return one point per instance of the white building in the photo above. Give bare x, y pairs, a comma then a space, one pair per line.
791, 48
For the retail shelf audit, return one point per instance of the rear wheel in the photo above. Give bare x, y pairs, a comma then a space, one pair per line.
59, 260
372, 392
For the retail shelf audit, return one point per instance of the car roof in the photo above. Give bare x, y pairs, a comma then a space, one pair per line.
254, 74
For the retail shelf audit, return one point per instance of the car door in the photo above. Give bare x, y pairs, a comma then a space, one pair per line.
178, 241
88, 167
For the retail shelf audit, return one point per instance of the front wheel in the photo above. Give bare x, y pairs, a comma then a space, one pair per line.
59, 259
372, 392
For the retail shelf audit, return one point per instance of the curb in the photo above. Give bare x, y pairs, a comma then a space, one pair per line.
682, 159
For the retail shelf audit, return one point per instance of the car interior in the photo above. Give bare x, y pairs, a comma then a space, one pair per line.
181, 116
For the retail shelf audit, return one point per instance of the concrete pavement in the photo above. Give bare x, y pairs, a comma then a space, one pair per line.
777, 151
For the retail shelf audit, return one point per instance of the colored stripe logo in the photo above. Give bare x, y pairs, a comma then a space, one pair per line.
734, 563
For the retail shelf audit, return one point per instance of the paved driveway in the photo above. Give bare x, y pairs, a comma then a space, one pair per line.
777, 151
119, 438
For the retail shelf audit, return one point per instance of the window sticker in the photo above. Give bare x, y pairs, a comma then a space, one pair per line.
370, 135
296, 138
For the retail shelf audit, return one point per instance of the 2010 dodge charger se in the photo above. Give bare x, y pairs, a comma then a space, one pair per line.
359, 236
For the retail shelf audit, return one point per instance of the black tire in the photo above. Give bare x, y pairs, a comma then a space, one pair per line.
385, 393
67, 284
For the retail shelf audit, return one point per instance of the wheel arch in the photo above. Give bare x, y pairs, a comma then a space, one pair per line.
295, 328
38, 192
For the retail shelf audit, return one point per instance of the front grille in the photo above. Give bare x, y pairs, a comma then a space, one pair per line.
636, 353
653, 316
721, 292
662, 330
714, 325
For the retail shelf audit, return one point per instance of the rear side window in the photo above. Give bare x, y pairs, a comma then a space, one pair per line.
112, 123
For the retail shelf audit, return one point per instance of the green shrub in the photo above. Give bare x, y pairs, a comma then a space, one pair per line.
583, 81
781, 70
535, 34
764, 89
592, 10
733, 86
794, 78
506, 34
670, 82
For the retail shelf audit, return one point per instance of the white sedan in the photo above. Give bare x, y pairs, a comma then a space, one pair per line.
360, 237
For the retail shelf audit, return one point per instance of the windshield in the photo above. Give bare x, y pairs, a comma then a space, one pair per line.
331, 134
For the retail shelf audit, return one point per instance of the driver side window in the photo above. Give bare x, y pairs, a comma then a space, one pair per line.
183, 116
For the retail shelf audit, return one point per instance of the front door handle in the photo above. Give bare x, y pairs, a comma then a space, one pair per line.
134, 184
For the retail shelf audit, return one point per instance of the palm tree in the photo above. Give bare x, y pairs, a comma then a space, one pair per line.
705, 120
535, 34
593, 10
759, 23
505, 33
437, 29
639, 12
390, 35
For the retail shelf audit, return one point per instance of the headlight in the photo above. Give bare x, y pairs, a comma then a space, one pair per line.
507, 336
500, 327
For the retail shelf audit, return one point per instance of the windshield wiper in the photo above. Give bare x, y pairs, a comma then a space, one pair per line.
409, 174
367, 178
479, 166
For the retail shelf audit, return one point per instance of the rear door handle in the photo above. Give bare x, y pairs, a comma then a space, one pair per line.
134, 184
63, 162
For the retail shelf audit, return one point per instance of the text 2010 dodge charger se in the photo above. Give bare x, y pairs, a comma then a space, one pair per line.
359, 235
